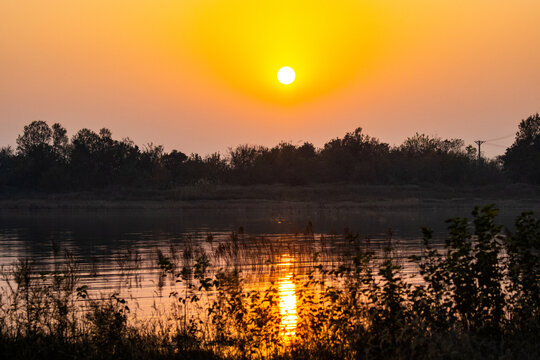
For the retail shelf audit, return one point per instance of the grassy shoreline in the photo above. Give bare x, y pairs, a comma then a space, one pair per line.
224, 196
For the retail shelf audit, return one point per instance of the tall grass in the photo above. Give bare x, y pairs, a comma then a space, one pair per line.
477, 297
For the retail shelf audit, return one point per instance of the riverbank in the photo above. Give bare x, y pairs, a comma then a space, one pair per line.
322, 195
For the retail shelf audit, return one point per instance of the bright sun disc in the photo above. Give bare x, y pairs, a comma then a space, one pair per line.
286, 75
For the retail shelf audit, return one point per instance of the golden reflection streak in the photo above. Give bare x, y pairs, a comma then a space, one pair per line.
287, 301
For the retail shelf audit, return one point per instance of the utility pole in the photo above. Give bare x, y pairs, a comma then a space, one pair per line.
479, 143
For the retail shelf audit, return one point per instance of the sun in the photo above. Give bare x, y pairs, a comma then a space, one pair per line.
286, 75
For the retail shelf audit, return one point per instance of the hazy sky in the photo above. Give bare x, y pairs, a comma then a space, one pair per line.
200, 75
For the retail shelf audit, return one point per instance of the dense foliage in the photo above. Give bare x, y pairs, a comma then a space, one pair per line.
477, 297
522, 159
45, 159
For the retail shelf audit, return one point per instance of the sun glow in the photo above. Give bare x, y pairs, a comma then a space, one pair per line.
286, 75
241, 44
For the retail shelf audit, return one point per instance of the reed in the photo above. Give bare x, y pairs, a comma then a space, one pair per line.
477, 296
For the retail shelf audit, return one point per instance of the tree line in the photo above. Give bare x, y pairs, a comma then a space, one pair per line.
45, 159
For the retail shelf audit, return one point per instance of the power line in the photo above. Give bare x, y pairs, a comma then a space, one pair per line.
490, 142
497, 145
501, 138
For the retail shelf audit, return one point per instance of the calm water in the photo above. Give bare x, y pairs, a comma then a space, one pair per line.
119, 251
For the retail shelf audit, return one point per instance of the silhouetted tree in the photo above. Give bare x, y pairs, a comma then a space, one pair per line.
47, 160
60, 141
38, 167
243, 159
174, 164
421, 144
307, 151
7, 166
36, 138
522, 159
150, 165
98, 160
357, 157
244, 156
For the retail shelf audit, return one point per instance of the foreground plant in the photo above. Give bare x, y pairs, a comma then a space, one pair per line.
477, 296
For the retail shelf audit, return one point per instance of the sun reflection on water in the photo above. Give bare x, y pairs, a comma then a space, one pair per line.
287, 299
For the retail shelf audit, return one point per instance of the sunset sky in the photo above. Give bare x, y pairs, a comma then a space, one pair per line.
201, 75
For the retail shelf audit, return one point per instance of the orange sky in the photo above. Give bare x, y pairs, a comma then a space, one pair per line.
200, 75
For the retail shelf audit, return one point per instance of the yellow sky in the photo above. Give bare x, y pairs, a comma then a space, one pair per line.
200, 75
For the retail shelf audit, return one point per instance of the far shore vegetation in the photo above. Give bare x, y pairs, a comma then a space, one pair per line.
476, 296
45, 160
